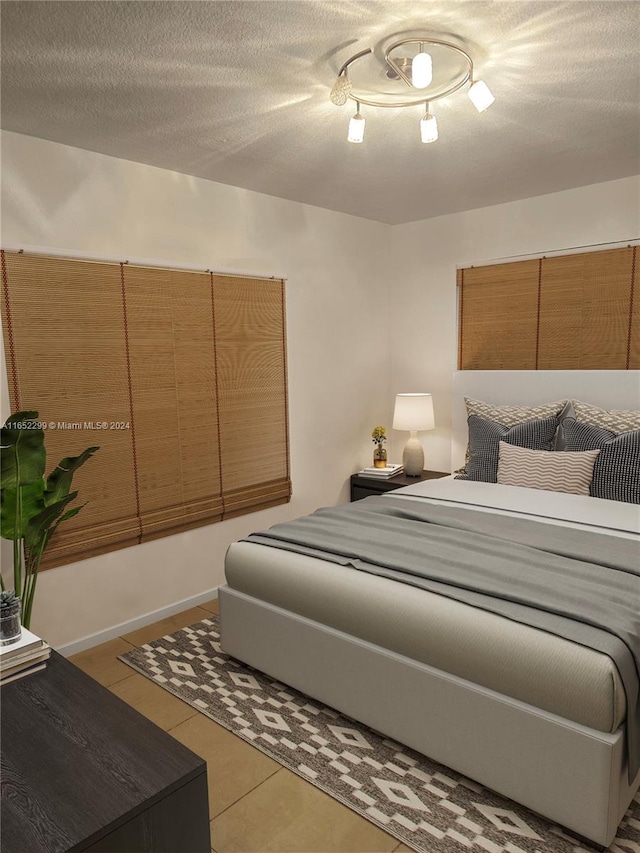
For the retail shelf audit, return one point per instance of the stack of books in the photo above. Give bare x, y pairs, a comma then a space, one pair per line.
29, 654
383, 473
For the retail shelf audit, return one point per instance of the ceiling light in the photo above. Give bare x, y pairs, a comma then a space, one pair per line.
341, 90
480, 95
428, 127
356, 127
412, 82
421, 70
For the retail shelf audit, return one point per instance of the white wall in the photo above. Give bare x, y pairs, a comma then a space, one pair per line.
371, 312
338, 343
426, 254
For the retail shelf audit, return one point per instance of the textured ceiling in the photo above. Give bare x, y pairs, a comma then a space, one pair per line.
238, 91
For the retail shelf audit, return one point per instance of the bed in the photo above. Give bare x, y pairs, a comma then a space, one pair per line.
535, 716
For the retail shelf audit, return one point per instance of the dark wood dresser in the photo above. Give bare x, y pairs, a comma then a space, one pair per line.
82, 770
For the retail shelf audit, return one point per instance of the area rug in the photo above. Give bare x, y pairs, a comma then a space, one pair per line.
426, 806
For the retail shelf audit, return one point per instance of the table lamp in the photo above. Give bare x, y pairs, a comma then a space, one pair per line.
413, 412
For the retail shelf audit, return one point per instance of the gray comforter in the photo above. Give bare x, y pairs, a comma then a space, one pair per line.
579, 585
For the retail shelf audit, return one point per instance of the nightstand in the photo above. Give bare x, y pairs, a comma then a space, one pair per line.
364, 487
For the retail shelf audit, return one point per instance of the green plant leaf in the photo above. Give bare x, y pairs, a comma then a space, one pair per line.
22, 451
31, 509
39, 525
60, 479
68, 514
13, 523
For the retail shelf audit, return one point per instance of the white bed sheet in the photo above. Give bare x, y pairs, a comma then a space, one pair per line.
610, 517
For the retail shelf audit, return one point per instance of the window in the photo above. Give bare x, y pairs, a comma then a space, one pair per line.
178, 376
569, 312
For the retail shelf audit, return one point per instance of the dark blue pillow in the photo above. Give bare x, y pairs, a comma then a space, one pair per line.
484, 443
616, 474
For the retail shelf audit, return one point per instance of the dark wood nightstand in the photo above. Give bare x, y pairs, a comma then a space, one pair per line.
364, 487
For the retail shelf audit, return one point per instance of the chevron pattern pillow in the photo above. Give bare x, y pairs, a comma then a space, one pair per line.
616, 473
484, 443
539, 469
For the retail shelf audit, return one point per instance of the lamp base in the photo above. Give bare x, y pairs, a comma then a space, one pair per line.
413, 456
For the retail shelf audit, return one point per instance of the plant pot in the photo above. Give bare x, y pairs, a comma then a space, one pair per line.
379, 457
10, 630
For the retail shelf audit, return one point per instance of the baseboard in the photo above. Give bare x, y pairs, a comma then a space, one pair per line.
91, 640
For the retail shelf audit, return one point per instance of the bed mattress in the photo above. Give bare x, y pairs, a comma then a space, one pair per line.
526, 663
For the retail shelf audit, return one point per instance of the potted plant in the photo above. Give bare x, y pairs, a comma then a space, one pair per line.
379, 436
9, 618
32, 506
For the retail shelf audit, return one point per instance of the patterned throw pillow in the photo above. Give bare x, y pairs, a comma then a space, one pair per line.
616, 473
538, 469
484, 443
615, 421
510, 415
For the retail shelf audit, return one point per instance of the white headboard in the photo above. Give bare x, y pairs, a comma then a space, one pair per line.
609, 389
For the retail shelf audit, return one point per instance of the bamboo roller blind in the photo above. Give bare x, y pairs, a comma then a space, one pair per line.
186, 369
570, 312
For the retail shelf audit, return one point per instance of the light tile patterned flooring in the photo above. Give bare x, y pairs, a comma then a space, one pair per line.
256, 805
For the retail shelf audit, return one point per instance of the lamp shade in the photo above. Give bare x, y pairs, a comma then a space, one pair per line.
413, 412
341, 90
480, 96
421, 70
356, 128
428, 128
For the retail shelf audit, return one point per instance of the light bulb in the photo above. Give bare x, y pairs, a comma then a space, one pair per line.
428, 128
480, 96
341, 90
421, 71
356, 128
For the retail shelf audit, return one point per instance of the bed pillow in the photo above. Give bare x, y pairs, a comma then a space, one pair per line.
509, 416
538, 469
484, 443
616, 473
616, 421
512, 415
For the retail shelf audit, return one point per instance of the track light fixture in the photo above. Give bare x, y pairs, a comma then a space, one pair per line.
356, 127
480, 96
419, 71
341, 90
428, 127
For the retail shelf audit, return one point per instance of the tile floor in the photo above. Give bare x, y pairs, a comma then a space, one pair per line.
256, 805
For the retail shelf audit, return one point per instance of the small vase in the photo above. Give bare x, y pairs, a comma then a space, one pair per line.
10, 629
379, 457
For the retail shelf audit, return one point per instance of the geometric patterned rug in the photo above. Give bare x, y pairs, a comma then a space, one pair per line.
426, 806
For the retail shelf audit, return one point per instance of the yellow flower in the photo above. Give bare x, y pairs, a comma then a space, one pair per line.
379, 434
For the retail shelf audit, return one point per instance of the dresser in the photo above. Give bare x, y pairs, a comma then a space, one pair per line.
82, 770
